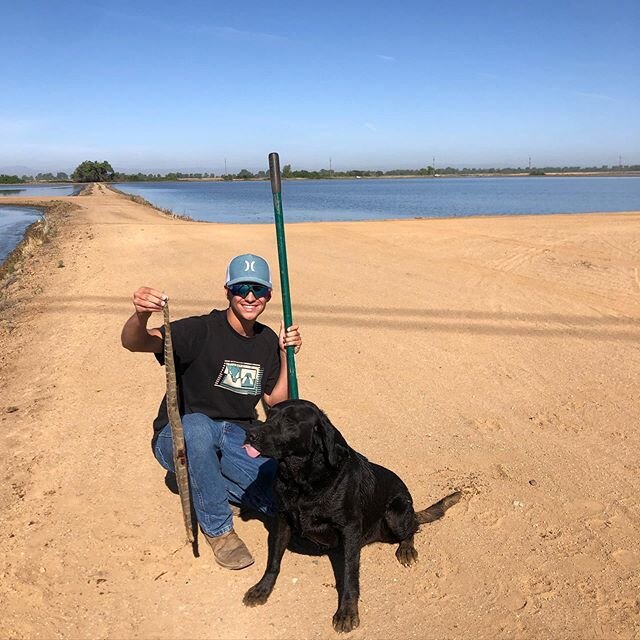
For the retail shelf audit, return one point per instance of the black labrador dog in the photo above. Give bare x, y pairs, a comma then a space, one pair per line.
331, 495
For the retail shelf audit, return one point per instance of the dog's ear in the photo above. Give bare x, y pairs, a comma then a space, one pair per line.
333, 444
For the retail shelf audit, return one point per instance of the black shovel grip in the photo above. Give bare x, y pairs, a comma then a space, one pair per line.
274, 172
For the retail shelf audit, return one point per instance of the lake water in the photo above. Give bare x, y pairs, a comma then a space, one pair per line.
38, 190
316, 200
13, 222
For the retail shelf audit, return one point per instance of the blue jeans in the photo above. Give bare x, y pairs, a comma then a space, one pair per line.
219, 471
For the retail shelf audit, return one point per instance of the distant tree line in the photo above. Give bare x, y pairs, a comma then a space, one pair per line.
87, 171
153, 177
540, 170
289, 172
39, 177
95, 171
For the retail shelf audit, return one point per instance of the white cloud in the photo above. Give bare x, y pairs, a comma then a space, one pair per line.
238, 34
154, 22
593, 96
590, 95
385, 58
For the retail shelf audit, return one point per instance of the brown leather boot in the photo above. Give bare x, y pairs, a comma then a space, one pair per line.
229, 551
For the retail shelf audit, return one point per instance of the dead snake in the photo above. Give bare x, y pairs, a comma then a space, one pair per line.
177, 432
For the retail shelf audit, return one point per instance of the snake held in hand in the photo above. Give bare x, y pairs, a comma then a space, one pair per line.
177, 432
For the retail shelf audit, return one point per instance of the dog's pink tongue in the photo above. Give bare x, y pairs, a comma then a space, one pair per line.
251, 451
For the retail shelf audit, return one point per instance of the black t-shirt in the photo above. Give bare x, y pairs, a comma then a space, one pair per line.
220, 373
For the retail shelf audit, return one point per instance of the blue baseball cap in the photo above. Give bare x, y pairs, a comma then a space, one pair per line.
249, 268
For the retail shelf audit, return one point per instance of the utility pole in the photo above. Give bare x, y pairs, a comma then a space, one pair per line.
225, 166
434, 165
330, 169
529, 163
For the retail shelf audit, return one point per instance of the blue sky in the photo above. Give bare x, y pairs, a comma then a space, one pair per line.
162, 86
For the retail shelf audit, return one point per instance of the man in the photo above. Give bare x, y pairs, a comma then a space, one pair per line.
226, 362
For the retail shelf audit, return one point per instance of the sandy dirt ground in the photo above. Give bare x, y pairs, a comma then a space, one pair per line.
499, 356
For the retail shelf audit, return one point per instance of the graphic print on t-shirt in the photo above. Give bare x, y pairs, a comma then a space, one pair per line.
240, 377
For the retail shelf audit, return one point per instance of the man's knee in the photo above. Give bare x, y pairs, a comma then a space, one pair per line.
200, 429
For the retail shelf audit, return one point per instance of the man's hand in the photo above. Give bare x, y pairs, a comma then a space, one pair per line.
289, 338
135, 335
148, 300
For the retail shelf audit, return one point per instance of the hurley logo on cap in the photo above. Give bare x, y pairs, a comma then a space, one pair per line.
249, 268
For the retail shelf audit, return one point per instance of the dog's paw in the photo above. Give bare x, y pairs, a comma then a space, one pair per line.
258, 594
345, 621
407, 554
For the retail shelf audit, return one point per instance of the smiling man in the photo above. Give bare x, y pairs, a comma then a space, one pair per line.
226, 361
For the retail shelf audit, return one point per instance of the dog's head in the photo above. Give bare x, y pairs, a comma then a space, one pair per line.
299, 429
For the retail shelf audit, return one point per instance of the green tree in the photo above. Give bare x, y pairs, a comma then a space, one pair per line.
245, 174
93, 171
6, 179
286, 171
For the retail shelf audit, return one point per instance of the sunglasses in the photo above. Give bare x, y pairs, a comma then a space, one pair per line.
242, 289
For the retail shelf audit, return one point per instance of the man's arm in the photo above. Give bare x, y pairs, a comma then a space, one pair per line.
280, 391
135, 335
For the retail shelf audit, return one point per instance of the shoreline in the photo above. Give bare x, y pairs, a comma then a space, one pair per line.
145, 203
501, 359
35, 234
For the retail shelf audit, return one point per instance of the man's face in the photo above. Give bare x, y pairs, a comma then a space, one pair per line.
245, 304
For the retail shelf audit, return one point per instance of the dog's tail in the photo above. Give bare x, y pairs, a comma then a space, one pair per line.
436, 511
